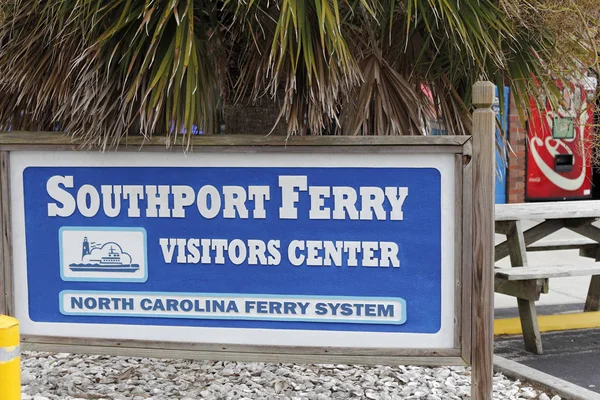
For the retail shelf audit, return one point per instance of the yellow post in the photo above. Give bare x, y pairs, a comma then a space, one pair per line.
10, 359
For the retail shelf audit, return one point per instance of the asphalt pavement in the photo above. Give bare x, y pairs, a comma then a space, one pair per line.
573, 356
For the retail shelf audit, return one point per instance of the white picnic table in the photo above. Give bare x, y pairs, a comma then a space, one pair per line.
527, 282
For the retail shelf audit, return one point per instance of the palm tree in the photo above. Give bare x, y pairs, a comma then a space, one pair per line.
101, 70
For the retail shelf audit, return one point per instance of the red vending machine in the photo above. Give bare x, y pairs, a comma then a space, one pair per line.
559, 147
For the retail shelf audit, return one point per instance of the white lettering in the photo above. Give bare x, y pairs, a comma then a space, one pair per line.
372, 199
237, 251
344, 200
259, 194
293, 248
235, 199
368, 258
318, 194
66, 200
88, 201
111, 208
274, 254
158, 201
183, 196
134, 193
289, 196
313, 258
256, 252
333, 253
219, 246
168, 249
396, 197
194, 253
389, 254
206, 210
352, 249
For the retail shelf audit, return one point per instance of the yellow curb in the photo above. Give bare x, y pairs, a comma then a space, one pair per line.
549, 323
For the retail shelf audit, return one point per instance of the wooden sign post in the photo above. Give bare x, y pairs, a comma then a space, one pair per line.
366, 250
484, 128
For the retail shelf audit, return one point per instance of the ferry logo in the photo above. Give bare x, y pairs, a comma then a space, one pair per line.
98, 254
105, 257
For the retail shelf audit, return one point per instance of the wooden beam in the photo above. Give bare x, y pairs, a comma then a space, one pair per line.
592, 302
502, 227
577, 222
568, 244
3, 250
517, 243
482, 352
459, 298
423, 360
467, 252
6, 276
587, 230
547, 271
526, 290
589, 252
237, 348
530, 236
548, 210
28, 139
530, 327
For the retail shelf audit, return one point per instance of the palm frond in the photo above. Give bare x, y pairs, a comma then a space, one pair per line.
102, 70
115, 67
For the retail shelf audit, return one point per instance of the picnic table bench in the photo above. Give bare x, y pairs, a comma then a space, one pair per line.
527, 282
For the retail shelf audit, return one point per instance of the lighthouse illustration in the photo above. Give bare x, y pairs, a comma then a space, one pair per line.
86, 248
103, 257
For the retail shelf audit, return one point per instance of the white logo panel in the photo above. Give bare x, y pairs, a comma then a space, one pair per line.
98, 254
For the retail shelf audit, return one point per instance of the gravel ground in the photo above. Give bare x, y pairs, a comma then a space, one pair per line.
51, 376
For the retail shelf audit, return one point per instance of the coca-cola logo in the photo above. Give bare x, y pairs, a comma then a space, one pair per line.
572, 115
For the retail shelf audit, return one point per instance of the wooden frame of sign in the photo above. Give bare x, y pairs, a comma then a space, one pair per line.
473, 247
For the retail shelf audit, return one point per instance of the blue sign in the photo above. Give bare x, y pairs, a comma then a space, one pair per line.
320, 248
501, 156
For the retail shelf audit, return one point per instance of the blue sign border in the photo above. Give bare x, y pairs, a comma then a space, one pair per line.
427, 316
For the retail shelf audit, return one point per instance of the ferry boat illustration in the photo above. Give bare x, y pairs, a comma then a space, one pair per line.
109, 258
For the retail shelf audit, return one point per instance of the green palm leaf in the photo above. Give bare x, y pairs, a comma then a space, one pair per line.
103, 70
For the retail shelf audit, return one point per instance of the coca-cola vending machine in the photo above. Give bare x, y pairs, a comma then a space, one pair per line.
559, 147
